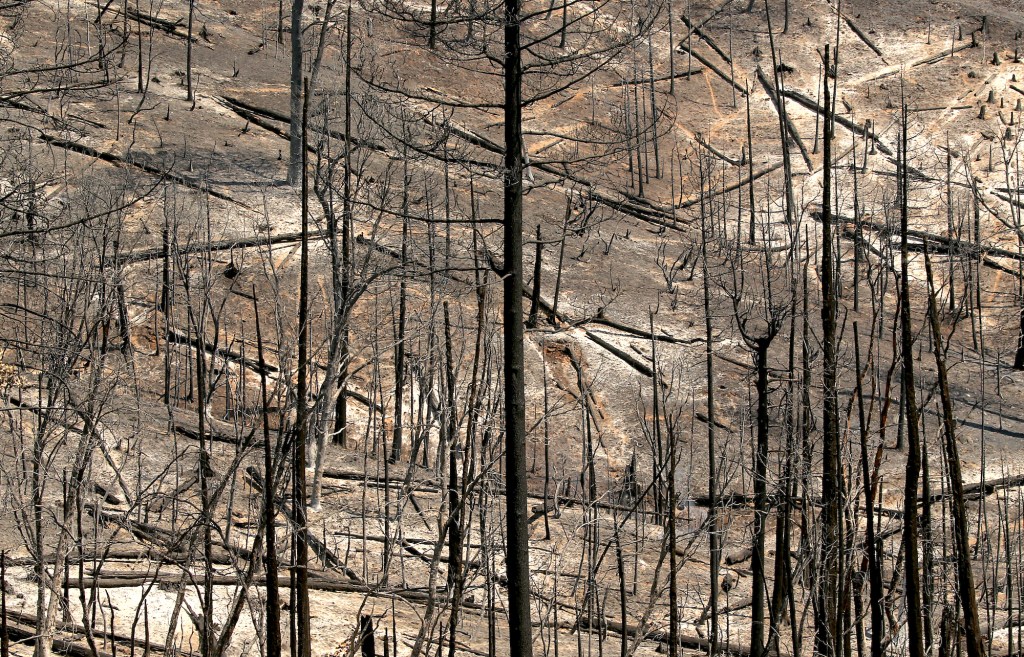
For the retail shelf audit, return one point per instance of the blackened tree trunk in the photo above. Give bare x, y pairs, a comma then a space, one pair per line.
965, 577
341, 403
757, 642
1018, 359
535, 294
670, 504
915, 628
872, 553
295, 97
713, 537
366, 642
189, 88
518, 531
205, 472
5, 639
828, 641
301, 566
432, 39
396, 438
273, 617
456, 580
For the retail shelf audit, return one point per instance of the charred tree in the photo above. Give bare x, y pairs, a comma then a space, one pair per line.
828, 636
295, 97
517, 530
965, 576
915, 627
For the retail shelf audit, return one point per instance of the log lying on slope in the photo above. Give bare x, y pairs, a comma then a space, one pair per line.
860, 33
695, 29
660, 78
689, 203
216, 436
172, 28
945, 53
643, 211
177, 337
228, 244
257, 114
841, 120
326, 556
628, 358
634, 631
19, 633
139, 643
316, 583
173, 545
717, 71
117, 160
790, 128
714, 151
937, 243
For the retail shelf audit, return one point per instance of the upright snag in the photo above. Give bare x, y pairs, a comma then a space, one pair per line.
301, 557
273, 609
962, 551
535, 293
517, 530
295, 141
828, 636
714, 538
190, 90
915, 627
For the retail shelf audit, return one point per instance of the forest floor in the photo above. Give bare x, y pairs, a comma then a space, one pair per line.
948, 60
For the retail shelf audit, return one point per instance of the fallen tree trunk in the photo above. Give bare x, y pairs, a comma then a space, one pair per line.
790, 128
326, 556
28, 620
20, 633
117, 160
704, 60
841, 120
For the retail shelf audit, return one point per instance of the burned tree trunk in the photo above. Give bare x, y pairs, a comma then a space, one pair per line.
915, 626
535, 294
871, 543
295, 97
828, 639
518, 531
965, 577
273, 609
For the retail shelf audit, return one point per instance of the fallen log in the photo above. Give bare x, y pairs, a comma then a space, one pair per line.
20, 633
316, 583
326, 556
117, 160
695, 29
635, 363
660, 78
629, 630
215, 245
162, 24
140, 644
945, 53
419, 487
742, 603
714, 151
181, 338
218, 437
732, 187
704, 60
790, 128
170, 542
860, 33
841, 120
